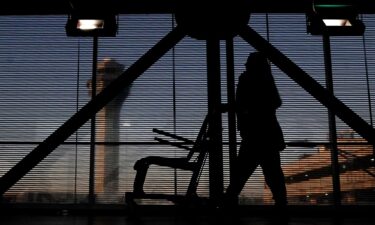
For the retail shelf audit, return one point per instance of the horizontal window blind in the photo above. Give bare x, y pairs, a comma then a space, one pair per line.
46, 77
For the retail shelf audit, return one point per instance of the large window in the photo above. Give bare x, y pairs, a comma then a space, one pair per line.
45, 78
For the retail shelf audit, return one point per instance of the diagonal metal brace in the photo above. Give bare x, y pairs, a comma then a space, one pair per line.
309, 84
89, 110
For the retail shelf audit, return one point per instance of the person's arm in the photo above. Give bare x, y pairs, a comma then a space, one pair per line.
273, 91
240, 102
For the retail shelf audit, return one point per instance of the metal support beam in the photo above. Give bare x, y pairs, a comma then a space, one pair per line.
43, 7
309, 84
332, 124
231, 96
93, 124
89, 110
215, 121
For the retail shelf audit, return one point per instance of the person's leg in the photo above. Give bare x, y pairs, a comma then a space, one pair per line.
245, 165
274, 177
275, 180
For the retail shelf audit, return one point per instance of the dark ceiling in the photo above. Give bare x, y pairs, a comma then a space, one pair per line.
45, 7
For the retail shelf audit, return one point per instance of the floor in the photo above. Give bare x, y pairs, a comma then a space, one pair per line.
119, 220
168, 216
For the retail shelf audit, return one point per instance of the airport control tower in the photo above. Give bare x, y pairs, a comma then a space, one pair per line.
107, 131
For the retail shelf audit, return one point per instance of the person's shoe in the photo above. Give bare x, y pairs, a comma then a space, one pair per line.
138, 192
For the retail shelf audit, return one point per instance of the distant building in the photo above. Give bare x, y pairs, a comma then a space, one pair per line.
309, 180
107, 131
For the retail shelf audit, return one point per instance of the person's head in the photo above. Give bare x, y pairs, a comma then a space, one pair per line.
256, 60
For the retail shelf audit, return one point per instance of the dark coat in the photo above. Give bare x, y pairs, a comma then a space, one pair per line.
257, 100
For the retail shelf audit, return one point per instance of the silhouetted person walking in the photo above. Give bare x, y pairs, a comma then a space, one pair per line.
257, 100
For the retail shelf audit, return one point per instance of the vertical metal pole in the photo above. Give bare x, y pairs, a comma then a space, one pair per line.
231, 95
93, 123
174, 103
332, 124
215, 122
368, 90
